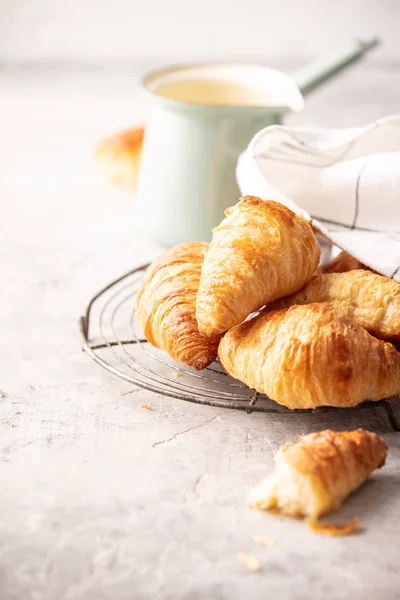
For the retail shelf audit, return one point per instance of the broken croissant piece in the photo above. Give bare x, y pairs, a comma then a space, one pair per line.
313, 477
342, 263
166, 304
119, 156
260, 252
309, 356
368, 299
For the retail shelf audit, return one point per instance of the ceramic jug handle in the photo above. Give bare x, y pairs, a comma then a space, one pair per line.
320, 71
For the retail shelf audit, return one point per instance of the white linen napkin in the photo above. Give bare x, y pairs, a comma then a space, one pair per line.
346, 182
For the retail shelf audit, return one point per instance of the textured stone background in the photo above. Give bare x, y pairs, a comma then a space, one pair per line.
90, 505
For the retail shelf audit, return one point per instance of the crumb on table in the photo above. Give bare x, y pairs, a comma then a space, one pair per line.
262, 540
249, 561
333, 529
145, 405
176, 374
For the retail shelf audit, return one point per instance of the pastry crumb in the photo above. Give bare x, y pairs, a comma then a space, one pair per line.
331, 529
158, 395
116, 392
262, 540
68, 399
141, 392
249, 561
176, 374
145, 405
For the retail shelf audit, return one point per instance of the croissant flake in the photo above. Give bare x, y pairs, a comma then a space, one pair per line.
333, 529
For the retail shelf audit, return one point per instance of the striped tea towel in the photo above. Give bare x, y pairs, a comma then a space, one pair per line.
346, 182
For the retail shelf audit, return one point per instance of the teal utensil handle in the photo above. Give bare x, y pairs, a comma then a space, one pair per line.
320, 71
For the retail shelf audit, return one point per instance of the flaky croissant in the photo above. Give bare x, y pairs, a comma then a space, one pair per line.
313, 477
308, 356
260, 252
166, 304
119, 157
342, 263
368, 299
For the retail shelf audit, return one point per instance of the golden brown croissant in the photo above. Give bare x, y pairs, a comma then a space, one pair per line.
313, 477
368, 299
257, 254
166, 304
308, 356
342, 263
119, 155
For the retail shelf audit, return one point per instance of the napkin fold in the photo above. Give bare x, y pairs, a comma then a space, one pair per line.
345, 182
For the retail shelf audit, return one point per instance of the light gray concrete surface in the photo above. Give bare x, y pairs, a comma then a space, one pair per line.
99, 498
124, 30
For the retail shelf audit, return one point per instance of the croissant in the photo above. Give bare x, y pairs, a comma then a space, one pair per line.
368, 299
313, 477
308, 356
340, 264
260, 252
166, 305
119, 157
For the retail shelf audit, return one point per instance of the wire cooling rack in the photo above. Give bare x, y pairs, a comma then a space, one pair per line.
111, 336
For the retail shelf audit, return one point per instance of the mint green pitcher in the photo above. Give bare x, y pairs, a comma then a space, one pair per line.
202, 117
